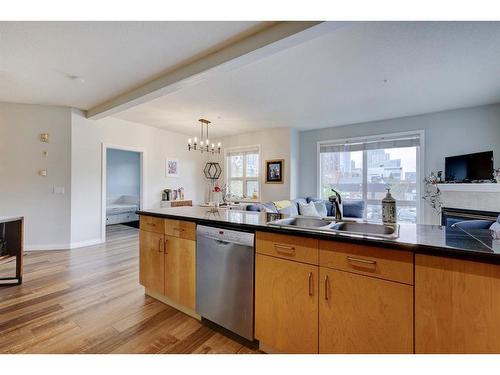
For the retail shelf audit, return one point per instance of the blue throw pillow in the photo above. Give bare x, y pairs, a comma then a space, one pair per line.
353, 208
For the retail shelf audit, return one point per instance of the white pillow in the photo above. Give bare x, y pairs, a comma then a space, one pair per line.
495, 229
308, 209
321, 208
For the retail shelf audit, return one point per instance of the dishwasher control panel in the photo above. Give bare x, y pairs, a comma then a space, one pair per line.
226, 235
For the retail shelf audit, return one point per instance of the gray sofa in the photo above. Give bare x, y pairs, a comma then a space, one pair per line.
351, 208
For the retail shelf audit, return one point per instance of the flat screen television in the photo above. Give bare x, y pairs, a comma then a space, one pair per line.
469, 168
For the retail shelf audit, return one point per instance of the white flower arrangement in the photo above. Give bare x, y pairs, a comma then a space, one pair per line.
432, 193
496, 174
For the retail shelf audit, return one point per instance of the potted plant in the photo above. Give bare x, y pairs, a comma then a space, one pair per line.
432, 193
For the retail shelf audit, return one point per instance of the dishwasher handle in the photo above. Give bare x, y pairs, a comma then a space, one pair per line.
215, 239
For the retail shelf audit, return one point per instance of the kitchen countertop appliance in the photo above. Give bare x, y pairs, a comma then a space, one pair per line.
225, 278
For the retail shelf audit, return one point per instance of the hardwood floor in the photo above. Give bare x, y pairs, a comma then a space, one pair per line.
89, 300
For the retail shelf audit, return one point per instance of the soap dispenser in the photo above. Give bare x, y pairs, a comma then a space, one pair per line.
389, 208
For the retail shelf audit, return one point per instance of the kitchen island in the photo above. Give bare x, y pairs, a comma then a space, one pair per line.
431, 290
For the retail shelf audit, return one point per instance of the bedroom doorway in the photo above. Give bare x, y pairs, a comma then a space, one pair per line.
122, 186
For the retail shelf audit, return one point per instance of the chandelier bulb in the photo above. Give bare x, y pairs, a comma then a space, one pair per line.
204, 144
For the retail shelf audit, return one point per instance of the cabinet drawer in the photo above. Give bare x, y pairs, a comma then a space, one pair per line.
152, 224
394, 265
300, 249
181, 229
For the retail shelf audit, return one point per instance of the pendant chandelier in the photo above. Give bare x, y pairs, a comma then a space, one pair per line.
204, 143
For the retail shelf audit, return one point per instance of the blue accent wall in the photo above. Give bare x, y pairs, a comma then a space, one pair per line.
123, 172
448, 133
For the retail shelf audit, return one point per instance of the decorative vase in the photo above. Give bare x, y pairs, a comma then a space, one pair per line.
388, 208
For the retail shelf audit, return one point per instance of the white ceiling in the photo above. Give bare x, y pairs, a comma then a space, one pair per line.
36, 58
339, 78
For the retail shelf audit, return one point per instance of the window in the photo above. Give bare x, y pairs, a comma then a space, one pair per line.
243, 173
364, 169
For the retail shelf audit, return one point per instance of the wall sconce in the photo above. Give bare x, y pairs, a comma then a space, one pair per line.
44, 137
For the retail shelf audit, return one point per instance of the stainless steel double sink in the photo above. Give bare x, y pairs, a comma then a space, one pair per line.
339, 227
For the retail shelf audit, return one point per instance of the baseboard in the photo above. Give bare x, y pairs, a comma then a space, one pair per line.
95, 241
46, 247
73, 245
160, 297
268, 349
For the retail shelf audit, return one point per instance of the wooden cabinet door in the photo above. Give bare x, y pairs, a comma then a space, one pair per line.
180, 271
457, 306
151, 261
361, 314
286, 305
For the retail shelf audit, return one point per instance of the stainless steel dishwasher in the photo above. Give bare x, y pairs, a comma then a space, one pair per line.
224, 278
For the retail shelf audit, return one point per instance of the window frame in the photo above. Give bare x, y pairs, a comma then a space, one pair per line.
419, 157
251, 149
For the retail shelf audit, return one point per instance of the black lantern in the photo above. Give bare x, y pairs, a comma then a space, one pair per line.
212, 170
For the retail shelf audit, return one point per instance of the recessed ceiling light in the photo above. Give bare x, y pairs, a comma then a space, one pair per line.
385, 81
76, 78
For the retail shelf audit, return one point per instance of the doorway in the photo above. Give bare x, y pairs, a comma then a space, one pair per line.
122, 186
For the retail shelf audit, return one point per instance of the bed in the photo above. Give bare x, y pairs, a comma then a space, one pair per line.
121, 209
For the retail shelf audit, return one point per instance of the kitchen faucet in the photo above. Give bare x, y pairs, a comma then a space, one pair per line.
337, 201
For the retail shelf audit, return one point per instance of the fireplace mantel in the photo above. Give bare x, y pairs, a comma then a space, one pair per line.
485, 188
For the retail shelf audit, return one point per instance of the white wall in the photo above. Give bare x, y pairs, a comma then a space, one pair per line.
87, 137
123, 173
22, 191
447, 133
294, 164
61, 221
274, 144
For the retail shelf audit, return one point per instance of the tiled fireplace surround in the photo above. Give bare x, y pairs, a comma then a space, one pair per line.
475, 201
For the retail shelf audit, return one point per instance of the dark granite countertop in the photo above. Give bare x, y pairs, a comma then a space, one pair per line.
429, 239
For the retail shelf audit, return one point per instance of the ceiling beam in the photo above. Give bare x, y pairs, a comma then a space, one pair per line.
274, 37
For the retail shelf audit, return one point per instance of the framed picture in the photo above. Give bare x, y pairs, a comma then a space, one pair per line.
172, 167
275, 170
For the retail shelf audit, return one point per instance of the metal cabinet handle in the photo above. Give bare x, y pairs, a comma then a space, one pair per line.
159, 246
283, 249
165, 247
311, 287
327, 285
364, 261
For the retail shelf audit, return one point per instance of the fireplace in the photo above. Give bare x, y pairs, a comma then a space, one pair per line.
450, 216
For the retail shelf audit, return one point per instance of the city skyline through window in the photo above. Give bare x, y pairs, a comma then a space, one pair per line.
365, 175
